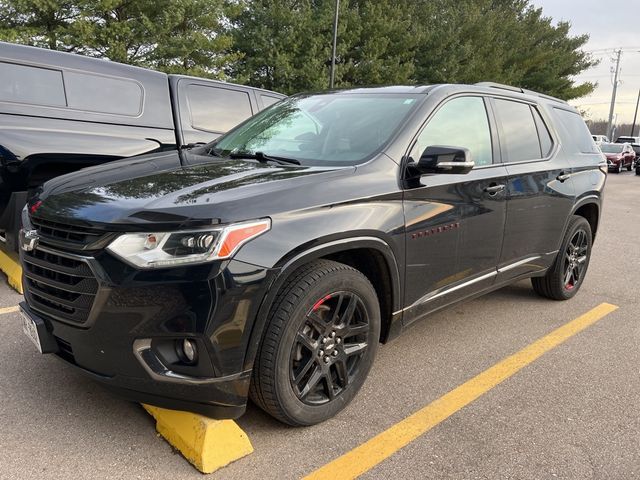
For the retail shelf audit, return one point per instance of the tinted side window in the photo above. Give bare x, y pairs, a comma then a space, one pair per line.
519, 135
543, 133
95, 93
268, 100
32, 85
574, 131
461, 122
217, 109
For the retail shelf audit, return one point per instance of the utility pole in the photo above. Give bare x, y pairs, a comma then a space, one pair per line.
613, 94
635, 115
335, 44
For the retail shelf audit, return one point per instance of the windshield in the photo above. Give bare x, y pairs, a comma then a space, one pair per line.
333, 128
611, 148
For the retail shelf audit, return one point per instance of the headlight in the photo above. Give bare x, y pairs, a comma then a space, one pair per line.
168, 249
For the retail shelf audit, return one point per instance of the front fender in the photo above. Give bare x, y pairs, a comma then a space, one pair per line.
302, 255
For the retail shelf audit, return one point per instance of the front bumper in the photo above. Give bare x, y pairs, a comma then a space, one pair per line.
126, 342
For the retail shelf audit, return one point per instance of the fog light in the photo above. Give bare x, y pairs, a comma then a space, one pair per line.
187, 351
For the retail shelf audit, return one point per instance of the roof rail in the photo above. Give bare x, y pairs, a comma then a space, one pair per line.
501, 86
519, 90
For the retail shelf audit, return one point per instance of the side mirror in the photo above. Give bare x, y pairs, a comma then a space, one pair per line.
445, 159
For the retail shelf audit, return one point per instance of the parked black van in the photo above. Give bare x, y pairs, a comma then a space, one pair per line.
273, 260
61, 112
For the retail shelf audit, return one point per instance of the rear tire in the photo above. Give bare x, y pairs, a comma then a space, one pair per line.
565, 277
319, 344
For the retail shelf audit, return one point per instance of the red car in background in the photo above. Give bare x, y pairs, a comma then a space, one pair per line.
619, 156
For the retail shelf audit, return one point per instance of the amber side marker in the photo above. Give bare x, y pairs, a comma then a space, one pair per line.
366, 456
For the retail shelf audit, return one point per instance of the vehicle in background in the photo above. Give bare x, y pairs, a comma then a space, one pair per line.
635, 145
600, 139
276, 261
619, 156
636, 149
61, 112
629, 139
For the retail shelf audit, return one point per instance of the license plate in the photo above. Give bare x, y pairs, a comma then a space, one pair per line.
31, 330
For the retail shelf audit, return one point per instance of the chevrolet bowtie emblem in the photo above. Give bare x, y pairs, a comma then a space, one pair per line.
28, 240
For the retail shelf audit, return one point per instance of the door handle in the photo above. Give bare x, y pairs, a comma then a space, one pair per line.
494, 189
563, 177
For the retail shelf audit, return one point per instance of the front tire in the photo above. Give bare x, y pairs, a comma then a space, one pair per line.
629, 167
566, 275
319, 344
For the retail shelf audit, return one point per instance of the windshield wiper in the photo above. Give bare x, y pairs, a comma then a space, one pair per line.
189, 146
262, 158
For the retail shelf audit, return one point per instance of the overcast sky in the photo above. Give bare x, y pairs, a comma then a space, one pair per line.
610, 24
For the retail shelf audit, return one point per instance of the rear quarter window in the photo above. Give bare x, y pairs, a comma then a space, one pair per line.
100, 94
268, 100
31, 85
574, 132
216, 109
518, 131
85, 92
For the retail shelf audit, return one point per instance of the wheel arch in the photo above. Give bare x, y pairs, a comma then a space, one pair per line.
383, 272
589, 208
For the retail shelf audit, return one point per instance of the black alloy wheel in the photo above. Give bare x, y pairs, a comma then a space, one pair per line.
319, 343
564, 278
575, 259
329, 347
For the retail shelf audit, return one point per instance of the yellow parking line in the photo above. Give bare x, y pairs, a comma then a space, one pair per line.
9, 310
366, 456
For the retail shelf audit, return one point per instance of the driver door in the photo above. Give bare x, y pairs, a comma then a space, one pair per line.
454, 222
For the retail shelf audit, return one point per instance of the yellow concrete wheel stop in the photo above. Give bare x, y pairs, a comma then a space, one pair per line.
208, 444
10, 265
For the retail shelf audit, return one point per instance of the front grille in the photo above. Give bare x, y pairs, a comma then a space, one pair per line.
59, 285
60, 233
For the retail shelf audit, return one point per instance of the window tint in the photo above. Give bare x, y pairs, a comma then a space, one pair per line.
33, 85
461, 122
543, 133
519, 136
268, 100
95, 93
574, 132
217, 109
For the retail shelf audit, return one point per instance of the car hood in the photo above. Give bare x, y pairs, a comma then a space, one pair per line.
159, 189
613, 156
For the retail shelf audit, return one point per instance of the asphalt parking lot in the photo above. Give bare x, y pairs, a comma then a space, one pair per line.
572, 413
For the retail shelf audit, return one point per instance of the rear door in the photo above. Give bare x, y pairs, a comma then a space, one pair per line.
454, 222
540, 191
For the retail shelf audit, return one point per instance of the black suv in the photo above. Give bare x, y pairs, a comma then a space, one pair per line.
271, 262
